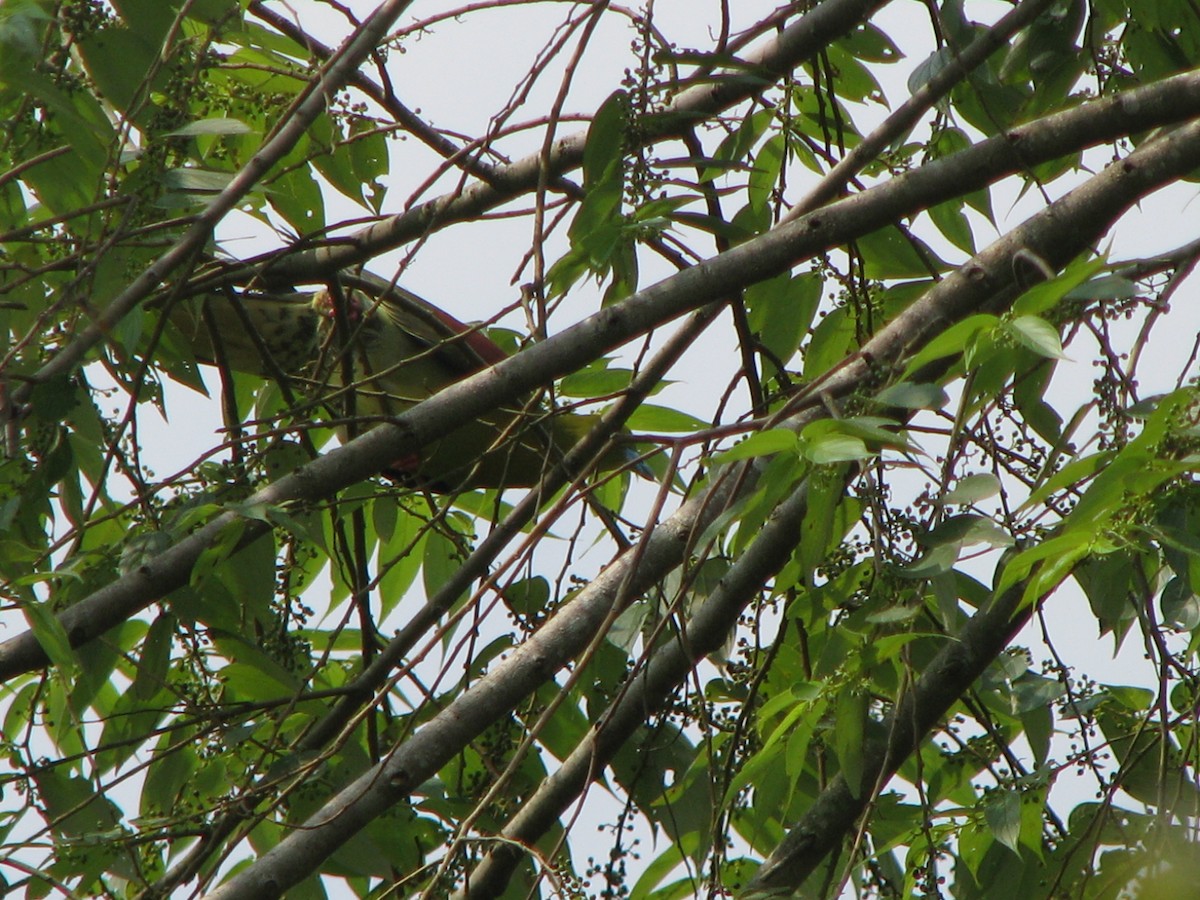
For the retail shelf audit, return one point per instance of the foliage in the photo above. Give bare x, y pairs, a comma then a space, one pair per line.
791, 661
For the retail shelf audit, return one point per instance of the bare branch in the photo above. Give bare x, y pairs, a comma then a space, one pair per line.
796, 43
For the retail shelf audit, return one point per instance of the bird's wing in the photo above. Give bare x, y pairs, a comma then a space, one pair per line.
466, 347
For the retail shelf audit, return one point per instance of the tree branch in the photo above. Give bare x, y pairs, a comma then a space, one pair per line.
796, 43
906, 115
709, 281
1063, 230
1057, 234
948, 676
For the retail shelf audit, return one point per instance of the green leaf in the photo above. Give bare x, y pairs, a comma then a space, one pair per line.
951, 222
909, 395
974, 842
781, 311
891, 253
764, 443
971, 489
222, 547
155, 658
528, 597
1107, 582
1032, 691
928, 68
831, 341
952, 341
1048, 294
870, 43
258, 675
764, 177
595, 381
967, 529
1038, 723
129, 725
169, 773
400, 562
734, 232
441, 562
1074, 472
151, 19
297, 196
385, 512
1058, 556
1106, 287
1180, 607
833, 447
604, 148
1002, 811
197, 180
1038, 335
249, 682
79, 116
51, 636
848, 737
20, 27
938, 561
735, 147
369, 161
650, 417
120, 59
1028, 393
823, 523
75, 807
212, 126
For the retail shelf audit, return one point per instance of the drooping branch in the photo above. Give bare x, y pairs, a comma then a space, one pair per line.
1056, 235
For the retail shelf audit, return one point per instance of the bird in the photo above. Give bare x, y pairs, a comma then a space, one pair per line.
393, 349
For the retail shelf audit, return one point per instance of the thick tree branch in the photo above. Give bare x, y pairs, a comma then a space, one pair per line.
758, 259
1056, 235
648, 693
835, 813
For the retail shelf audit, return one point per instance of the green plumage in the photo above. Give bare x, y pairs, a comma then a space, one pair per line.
398, 351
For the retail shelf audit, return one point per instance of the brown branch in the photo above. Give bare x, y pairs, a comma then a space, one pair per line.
1057, 234
711, 280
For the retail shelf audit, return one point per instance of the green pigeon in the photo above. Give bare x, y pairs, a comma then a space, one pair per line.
400, 349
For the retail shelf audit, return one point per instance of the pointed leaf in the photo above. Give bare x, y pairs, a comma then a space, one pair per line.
1038, 335
1003, 815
